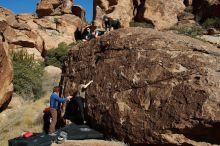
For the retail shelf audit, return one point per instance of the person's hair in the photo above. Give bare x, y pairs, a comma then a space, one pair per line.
56, 89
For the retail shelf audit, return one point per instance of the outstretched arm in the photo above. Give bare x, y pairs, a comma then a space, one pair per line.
85, 86
62, 100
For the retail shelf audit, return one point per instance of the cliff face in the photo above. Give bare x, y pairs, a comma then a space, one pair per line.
148, 86
162, 14
56, 21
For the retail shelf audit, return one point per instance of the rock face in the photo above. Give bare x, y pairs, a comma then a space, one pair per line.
148, 85
6, 87
37, 35
206, 8
162, 14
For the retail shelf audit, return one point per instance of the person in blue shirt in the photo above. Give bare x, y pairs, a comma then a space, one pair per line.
55, 102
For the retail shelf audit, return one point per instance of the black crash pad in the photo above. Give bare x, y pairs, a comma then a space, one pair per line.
35, 140
74, 132
80, 132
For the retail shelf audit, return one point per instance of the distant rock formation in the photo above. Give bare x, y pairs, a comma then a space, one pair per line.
54, 7
55, 23
149, 87
35, 35
162, 14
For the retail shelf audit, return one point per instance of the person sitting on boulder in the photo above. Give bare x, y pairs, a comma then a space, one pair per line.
55, 102
98, 32
79, 100
110, 23
87, 34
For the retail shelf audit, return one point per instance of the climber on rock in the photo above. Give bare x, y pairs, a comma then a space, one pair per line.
87, 34
79, 100
98, 32
55, 102
110, 23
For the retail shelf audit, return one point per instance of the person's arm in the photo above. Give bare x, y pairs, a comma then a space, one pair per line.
62, 100
85, 86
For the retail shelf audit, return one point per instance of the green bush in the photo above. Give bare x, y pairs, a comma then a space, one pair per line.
56, 56
211, 23
192, 31
189, 9
27, 75
141, 24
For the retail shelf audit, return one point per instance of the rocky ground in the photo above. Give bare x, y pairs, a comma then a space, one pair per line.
90, 143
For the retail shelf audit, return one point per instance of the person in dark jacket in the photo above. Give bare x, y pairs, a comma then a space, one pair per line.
110, 23
87, 34
55, 102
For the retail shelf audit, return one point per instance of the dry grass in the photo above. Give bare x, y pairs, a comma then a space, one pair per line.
25, 118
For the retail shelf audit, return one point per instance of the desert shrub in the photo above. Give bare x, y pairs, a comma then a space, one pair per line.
56, 56
192, 31
211, 22
141, 24
27, 75
189, 9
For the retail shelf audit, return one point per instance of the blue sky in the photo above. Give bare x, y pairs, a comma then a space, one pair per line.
29, 6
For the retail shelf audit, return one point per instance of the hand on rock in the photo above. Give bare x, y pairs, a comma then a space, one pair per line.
69, 97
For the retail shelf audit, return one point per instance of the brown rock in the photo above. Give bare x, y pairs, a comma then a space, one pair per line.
3, 24
54, 7
79, 11
45, 23
45, 7
6, 87
25, 17
98, 16
5, 12
67, 7
162, 14
8, 15
20, 26
18, 37
51, 78
147, 83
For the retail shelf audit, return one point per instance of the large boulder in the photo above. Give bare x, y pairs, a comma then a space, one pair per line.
6, 87
148, 85
162, 14
51, 78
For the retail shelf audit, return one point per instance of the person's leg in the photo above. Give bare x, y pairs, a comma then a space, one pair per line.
54, 120
81, 108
